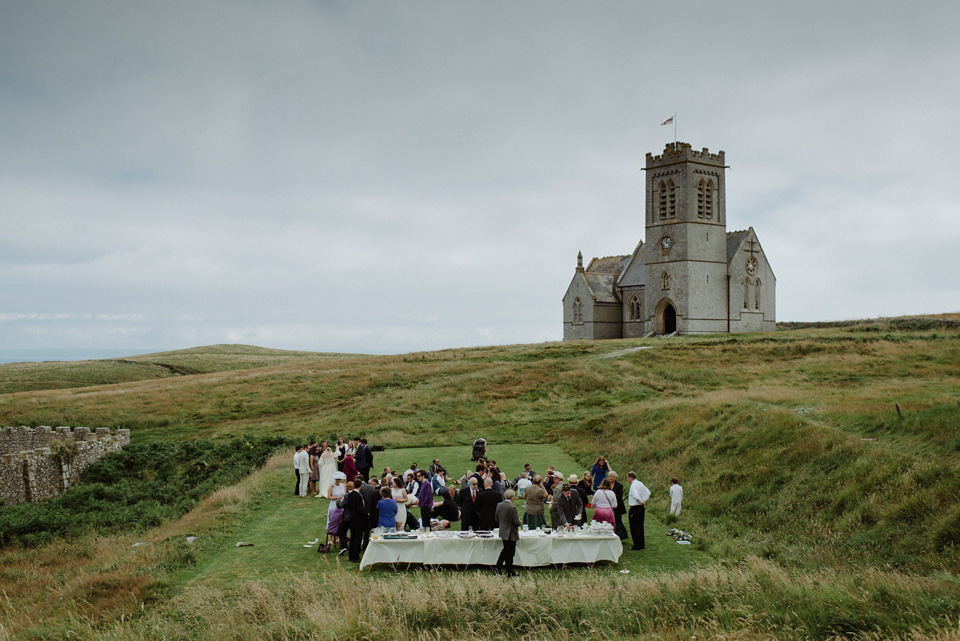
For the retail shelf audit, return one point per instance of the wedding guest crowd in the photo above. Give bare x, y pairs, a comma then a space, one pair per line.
477, 500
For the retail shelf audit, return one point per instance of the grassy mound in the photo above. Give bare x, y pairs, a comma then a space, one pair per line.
820, 468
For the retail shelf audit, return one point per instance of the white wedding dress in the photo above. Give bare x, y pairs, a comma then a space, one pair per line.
328, 465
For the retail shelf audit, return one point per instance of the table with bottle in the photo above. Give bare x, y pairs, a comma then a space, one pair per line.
587, 544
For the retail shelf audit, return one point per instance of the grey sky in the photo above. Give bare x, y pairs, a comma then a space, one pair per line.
390, 177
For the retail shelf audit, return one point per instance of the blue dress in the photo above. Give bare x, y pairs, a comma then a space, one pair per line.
598, 474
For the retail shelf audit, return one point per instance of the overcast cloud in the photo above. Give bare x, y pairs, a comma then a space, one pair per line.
400, 176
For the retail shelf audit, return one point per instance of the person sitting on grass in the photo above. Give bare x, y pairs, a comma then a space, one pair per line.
411, 471
413, 489
447, 510
523, 483
464, 480
436, 467
438, 481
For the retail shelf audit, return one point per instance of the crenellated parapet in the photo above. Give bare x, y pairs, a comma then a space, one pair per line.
683, 152
39, 463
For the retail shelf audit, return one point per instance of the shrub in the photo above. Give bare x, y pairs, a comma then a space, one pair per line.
137, 488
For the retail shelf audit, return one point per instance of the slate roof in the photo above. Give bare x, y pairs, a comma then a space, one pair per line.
608, 264
734, 238
601, 276
602, 287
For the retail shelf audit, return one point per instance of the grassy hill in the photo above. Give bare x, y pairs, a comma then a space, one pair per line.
17, 377
821, 470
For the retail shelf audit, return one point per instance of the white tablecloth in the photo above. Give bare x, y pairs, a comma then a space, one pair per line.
532, 550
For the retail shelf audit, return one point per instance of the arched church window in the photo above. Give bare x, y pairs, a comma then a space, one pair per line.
756, 295
701, 191
746, 292
708, 200
635, 308
577, 312
665, 281
662, 209
671, 199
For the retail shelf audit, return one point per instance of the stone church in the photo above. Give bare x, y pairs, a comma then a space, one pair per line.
691, 276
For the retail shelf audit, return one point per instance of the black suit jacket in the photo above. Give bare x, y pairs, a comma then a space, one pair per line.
370, 496
618, 492
584, 499
354, 503
569, 508
486, 508
468, 509
447, 510
364, 457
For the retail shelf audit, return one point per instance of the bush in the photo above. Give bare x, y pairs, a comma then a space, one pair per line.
137, 488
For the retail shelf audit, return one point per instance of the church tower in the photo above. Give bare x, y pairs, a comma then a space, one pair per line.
689, 276
686, 256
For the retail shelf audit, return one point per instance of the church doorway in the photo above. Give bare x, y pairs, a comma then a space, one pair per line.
666, 318
669, 319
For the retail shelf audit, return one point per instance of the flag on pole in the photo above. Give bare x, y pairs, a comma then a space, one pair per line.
667, 121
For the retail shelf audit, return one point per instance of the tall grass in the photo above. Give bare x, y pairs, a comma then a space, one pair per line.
754, 600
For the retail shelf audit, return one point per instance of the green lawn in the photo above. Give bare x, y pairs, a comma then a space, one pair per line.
282, 524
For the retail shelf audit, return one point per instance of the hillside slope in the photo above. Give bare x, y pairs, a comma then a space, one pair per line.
815, 447
18, 377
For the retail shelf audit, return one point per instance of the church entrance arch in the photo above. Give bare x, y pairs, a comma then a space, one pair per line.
666, 317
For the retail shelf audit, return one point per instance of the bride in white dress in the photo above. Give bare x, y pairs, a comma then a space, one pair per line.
328, 465
399, 494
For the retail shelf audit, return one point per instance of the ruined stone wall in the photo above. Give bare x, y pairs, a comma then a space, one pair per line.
37, 464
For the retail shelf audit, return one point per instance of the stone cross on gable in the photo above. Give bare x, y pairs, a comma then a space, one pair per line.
752, 249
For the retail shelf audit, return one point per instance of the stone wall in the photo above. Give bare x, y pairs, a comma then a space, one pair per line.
37, 464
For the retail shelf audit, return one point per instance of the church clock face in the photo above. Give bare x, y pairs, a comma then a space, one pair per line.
752, 265
666, 243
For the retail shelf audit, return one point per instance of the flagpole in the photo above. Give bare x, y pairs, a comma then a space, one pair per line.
675, 131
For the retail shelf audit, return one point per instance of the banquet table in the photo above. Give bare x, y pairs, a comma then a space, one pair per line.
533, 549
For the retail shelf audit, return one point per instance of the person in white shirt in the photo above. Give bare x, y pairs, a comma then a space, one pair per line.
523, 484
296, 470
676, 496
636, 499
410, 472
304, 467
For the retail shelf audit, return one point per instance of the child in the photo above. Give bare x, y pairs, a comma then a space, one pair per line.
676, 496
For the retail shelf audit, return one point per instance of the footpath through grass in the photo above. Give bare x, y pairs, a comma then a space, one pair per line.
283, 524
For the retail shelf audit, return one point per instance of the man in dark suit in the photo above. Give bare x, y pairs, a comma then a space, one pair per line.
370, 494
467, 500
357, 513
478, 474
486, 506
508, 521
569, 507
364, 458
621, 509
572, 480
